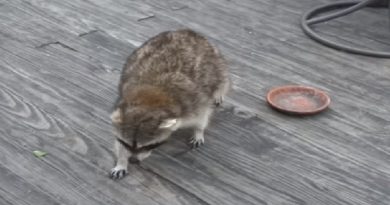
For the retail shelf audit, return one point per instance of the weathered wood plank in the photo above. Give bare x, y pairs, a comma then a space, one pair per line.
59, 67
18, 191
236, 143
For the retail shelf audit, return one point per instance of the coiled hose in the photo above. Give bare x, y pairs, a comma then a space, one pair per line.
307, 21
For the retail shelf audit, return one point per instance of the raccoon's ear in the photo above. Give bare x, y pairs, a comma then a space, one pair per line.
116, 116
169, 123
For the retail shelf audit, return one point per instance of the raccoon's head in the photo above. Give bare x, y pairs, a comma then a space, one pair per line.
144, 122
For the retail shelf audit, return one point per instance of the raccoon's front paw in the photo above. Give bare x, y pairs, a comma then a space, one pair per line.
196, 141
118, 173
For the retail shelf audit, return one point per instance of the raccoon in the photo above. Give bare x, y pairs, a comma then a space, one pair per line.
174, 80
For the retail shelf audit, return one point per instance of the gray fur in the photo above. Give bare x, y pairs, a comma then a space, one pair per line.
172, 81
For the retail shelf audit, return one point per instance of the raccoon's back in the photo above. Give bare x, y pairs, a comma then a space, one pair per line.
182, 54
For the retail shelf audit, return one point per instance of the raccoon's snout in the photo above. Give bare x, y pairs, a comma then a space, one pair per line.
134, 160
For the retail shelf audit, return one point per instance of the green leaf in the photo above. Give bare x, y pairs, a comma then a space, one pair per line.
39, 153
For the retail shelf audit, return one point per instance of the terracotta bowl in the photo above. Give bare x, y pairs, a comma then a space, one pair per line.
295, 99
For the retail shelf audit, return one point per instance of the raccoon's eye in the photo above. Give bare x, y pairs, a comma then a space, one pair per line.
151, 133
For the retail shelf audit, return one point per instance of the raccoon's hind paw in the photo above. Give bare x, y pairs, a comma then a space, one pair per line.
117, 173
218, 101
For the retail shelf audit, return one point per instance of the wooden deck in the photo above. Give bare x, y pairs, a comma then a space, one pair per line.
59, 67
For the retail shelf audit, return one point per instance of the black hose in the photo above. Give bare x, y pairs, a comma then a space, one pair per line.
354, 7
306, 21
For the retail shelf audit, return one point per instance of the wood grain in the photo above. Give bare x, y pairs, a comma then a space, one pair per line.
59, 66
